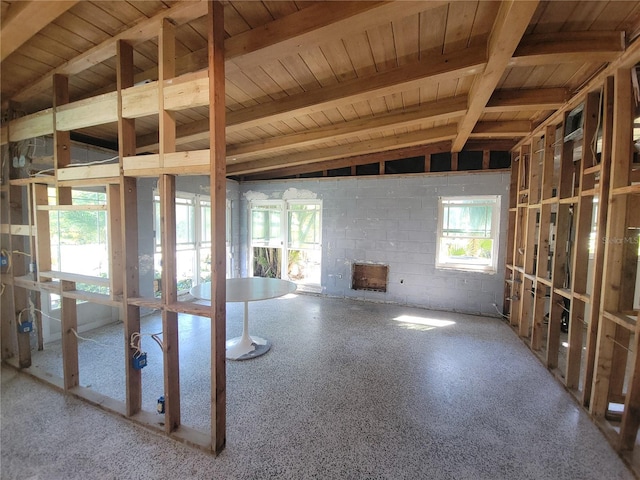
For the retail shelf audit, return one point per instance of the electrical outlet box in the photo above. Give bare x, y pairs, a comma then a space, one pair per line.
4, 260
25, 327
140, 361
160, 407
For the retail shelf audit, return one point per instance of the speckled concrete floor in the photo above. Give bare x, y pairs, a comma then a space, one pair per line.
349, 390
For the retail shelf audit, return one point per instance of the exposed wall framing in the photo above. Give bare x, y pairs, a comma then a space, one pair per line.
572, 264
26, 226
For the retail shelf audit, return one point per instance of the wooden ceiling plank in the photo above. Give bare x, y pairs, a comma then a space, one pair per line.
467, 62
312, 26
181, 13
451, 66
358, 148
450, 108
509, 27
24, 19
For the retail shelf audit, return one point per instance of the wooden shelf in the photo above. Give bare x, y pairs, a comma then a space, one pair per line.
544, 281
49, 180
77, 278
583, 297
71, 208
565, 292
190, 308
153, 303
621, 319
591, 170
92, 297
631, 189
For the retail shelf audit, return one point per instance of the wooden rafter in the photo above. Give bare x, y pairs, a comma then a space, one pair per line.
25, 19
540, 49
511, 23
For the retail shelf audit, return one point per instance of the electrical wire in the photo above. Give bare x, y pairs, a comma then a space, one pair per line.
97, 162
136, 342
496, 307
88, 339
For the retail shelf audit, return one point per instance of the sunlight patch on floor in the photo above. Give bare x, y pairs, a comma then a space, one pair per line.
422, 323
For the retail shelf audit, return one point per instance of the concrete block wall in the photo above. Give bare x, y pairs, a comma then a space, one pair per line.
392, 220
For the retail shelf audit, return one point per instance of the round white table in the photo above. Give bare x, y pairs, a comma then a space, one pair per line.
249, 289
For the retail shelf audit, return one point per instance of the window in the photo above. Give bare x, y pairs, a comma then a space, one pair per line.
468, 229
193, 239
286, 240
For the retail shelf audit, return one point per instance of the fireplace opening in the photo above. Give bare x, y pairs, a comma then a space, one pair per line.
365, 276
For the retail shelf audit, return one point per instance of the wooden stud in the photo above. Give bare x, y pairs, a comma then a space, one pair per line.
454, 161
599, 247
68, 313
129, 233
486, 158
167, 186
217, 177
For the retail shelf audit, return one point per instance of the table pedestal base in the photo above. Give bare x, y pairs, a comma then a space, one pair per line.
246, 347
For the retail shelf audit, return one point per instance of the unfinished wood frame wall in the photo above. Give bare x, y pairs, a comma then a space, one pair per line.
119, 181
572, 261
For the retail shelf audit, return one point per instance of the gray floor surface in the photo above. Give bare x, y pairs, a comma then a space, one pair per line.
349, 390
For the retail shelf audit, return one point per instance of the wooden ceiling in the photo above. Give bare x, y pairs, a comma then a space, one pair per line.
310, 82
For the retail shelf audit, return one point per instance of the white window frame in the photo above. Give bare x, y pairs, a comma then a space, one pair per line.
495, 201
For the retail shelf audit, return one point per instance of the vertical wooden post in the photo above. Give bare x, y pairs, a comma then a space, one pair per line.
614, 263
167, 132
20, 294
486, 159
580, 260
68, 314
454, 161
599, 248
129, 231
169, 297
215, 27
427, 163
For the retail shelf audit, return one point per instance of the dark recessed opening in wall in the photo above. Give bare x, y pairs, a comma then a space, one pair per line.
499, 159
339, 172
470, 160
365, 276
405, 165
368, 169
311, 175
441, 162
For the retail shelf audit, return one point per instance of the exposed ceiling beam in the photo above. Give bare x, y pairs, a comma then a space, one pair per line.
357, 148
530, 99
439, 110
312, 27
24, 19
451, 66
147, 29
563, 47
298, 32
511, 22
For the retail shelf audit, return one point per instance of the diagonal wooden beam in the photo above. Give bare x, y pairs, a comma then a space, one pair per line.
509, 27
445, 67
563, 47
181, 13
438, 110
24, 19
420, 137
529, 99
